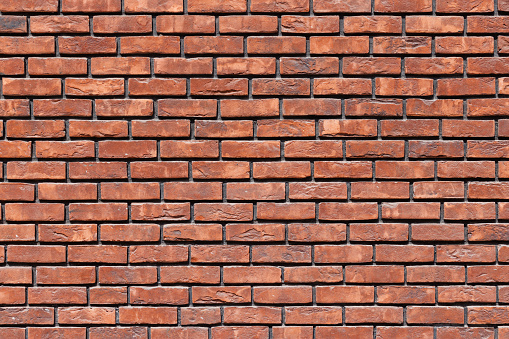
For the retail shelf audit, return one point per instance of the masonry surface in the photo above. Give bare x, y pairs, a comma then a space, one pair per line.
254, 169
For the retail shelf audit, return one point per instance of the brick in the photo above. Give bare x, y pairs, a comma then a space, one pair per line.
130, 233
248, 24
57, 66
466, 87
252, 315
372, 24
92, 87
185, 24
378, 232
322, 191
285, 128
395, 6
222, 295
96, 129
183, 66
405, 295
244, 66
41, 170
200, 315
131, 149
285, 211
342, 86
409, 128
280, 6
34, 212
347, 211
157, 87
435, 149
281, 254
149, 212
471, 169
223, 212
313, 315
436, 274
183, 232
102, 254
12, 66
455, 294
403, 87
27, 315
379, 190
30, 6
148, 315
150, 45
119, 66
378, 107
172, 6
160, 129
93, 211
439, 190
325, 6
339, 45
190, 274
219, 170
306, 25
189, 149
87, 45
327, 274
249, 108
433, 25
226, 129
374, 149
87, 6
66, 275
435, 108
284, 87
402, 45
65, 233
464, 45
62, 108
355, 65
136, 275
52, 191
200, 6
97, 170
320, 65
343, 254
374, 274
11, 45
59, 24
213, 44
432, 314
223, 86
31, 87
438, 232
444, 6
437, 65
252, 275
291, 169
122, 24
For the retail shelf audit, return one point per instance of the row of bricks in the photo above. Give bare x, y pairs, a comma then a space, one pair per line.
227, 170
231, 212
322, 254
337, 294
201, 191
189, 149
266, 128
241, 6
450, 87
247, 24
257, 332
196, 45
294, 233
261, 108
294, 315
351, 274
253, 66
289, 24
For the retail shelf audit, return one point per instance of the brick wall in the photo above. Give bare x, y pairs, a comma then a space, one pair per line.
254, 169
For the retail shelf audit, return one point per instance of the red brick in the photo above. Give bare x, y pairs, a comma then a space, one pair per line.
183, 66
284, 87
375, 149
464, 45
435, 314
57, 66
87, 45
98, 170
409, 210
339, 45
372, 24
348, 211
405, 295
101, 254
213, 44
30, 6
185, 24
436, 274
223, 212
438, 232
128, 149
171, 6
435, 65
281, 254
157, 87
378, 232
31, 87
87, 6
150, 45
287, 6
63, 108
148, 315
233, 6
190, 275
93, 87
149, 212
248, 24
215, 87
470, 6
13, 45
343, 254
59, 24
134, 275
66, 275
403, 87
402, 45
317, 274
219, 170
222, 295
185, 232
93, 211
378, 107
122, 24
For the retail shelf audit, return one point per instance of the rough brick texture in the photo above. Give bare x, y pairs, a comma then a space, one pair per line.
254, 169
